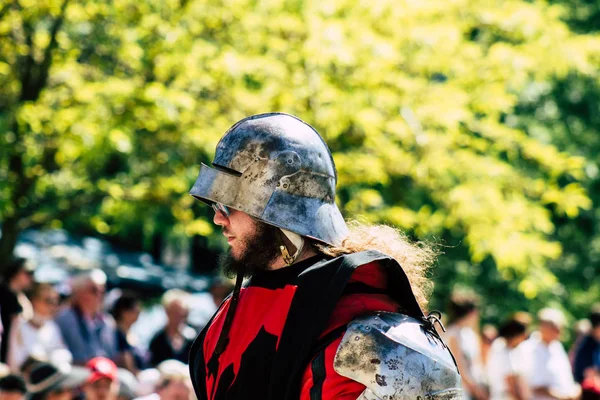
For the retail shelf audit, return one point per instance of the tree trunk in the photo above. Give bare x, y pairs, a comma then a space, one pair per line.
8, 241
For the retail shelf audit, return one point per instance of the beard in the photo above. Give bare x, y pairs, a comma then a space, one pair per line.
258, 252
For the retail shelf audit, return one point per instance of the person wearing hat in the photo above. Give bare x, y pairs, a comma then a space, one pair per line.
550, 376
172, 383
175, 383
289, 331
54, 382
17, 278
102, 382
12, 387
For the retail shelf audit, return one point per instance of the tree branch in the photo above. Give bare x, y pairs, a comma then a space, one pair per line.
47, 61
5, 9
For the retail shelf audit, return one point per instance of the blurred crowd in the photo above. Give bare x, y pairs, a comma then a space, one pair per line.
523, 357
77, 343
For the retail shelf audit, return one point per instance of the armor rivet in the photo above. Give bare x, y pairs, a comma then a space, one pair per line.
357, 338
285, 185
290, 161
368, 328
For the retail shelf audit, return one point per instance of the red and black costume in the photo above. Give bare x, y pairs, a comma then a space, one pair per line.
288, 325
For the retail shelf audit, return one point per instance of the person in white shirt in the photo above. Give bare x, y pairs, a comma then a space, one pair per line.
507, 364
551, 376
38, 335
464, 341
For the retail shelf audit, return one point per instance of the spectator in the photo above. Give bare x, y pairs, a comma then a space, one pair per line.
582, 329
103, 381
86, 330
17, 279
220, 288
553, 378
12, 387
489, 333
587, 356
464, 342
128, 385
148, 381
507, 364
51, 382
175, 339
39, 334
174, 382
126, 311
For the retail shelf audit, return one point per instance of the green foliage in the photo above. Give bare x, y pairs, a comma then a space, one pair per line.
432, 110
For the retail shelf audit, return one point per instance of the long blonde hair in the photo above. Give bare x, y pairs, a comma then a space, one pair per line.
414, 257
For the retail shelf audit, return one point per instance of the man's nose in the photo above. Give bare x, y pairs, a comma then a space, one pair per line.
220, 219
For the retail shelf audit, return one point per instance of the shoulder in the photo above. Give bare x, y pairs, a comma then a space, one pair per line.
589, 342
157, 337
382, 352
9, 301
64, 317
371, 273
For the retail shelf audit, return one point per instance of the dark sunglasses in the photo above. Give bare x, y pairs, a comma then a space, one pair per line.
219, 207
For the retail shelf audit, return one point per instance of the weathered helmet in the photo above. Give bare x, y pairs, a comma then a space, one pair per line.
278, 169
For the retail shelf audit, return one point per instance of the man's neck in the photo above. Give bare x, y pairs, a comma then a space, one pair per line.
172, 329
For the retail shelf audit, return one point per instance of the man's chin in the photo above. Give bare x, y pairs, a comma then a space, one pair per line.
253, 254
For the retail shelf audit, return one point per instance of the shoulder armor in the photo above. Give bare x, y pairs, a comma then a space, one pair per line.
397, 357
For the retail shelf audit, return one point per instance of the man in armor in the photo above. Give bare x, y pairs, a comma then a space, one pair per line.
327, 312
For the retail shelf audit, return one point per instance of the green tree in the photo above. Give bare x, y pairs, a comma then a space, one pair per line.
418, 102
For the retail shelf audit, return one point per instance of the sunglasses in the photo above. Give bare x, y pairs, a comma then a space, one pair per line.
219, 207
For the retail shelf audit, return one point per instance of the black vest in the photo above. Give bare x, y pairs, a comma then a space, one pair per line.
319, 287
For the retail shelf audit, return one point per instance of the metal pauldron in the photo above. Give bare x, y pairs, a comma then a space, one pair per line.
397, 357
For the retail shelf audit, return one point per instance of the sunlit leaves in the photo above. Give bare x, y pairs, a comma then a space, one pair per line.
419, 102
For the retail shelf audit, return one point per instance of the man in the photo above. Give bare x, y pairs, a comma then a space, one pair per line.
86, 330
509, 361
173, 382
551, 376
587, 357
175, 339
102, 382
463, 339
12, 387
48, 381
311, 322
17, 279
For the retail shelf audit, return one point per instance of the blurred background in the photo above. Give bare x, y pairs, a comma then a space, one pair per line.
471, 124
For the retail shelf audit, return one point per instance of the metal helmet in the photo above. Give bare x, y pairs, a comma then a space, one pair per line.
276, 168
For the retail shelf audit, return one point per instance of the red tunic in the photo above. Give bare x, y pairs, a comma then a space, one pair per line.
243, 370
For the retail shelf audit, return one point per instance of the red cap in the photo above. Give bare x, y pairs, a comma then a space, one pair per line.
101, 367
